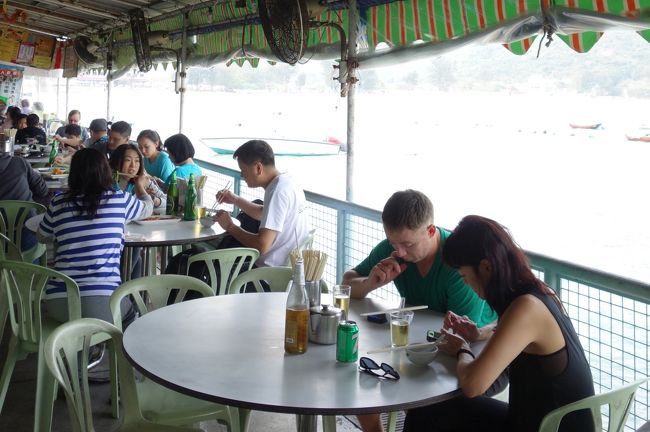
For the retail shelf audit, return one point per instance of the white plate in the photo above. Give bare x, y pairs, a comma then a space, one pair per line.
161, 220
57, 176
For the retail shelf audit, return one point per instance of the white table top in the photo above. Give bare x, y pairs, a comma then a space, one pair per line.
156, 234
229, 349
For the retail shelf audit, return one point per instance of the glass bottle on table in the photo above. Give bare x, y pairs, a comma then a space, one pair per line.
53, 152
189, 208
296, 320
172, 196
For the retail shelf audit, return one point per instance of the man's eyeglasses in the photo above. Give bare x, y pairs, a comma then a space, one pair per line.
369, 366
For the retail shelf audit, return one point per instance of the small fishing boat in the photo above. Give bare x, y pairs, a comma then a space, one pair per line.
586, 126
281, 147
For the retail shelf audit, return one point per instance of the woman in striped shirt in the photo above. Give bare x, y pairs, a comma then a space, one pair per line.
86, 225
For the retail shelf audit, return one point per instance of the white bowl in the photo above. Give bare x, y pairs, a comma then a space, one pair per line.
206, 221
422, 355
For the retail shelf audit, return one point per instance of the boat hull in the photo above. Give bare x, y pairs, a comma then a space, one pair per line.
281, 147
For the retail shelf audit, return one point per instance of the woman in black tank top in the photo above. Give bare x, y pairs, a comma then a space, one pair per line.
534, 342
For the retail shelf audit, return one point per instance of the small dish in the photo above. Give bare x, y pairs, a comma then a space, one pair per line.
158, 220
207, 221
422, 355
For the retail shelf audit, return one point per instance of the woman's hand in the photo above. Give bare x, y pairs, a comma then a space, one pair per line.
452, 343
462, 326
141, 182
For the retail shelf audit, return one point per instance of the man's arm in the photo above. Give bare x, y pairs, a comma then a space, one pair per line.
378, 269
37, 185
251, 209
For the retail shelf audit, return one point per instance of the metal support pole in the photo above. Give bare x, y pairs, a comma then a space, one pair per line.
351, 83
182, 74
108, 96
67, 96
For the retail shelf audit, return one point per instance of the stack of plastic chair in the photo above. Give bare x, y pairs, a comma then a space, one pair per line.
231, 262
619, 401
13, 214
276, 277
8, 251
24, 286
157, 403
71, 342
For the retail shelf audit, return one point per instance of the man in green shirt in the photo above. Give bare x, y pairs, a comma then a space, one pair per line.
411, 257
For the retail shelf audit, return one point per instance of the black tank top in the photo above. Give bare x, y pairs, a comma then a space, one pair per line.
541, 383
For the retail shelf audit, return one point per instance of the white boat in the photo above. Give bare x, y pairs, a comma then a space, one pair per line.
281, 147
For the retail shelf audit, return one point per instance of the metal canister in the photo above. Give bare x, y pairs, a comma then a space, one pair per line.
347, 341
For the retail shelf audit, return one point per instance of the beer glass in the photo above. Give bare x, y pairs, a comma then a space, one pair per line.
341, 294
399, 328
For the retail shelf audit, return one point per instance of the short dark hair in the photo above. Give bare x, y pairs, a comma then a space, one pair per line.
72, 130
121, 127
20, 117
179, 147
255, 151
151, 135
33, 120
407, 209
74, 112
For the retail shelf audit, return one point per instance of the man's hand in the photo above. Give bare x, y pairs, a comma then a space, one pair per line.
225, 196
385, 271
223, 219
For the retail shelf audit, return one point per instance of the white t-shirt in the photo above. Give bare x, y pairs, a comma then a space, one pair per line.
284, 212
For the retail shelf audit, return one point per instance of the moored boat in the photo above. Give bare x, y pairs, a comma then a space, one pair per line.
281, 147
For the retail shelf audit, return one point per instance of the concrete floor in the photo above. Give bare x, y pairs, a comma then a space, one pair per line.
18, 411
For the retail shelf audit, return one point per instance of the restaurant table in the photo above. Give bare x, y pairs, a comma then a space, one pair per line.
229, 349
155, 237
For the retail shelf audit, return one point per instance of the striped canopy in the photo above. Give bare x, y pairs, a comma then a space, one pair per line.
229, 34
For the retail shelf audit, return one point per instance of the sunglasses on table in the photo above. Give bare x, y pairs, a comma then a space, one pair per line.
384, 370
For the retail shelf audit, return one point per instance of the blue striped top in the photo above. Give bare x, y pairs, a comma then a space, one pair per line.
89, 250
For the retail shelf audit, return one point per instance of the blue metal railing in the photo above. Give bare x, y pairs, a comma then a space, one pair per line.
610, 313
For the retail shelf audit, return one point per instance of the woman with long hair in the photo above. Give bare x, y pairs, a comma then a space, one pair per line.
534, 340
127, 166
156, 161
86, 225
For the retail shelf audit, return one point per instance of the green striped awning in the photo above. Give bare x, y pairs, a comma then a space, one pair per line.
233, 35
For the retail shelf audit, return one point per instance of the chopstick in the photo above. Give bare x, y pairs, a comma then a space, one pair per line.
410, 308
125, 174
418, 345
219, 201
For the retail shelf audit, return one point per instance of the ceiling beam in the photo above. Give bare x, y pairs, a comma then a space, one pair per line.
83, 9
33, 29
45, 12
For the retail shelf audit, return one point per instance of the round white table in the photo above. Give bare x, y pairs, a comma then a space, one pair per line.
229, 349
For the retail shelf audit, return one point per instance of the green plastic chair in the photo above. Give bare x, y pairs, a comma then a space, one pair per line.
70, 343
13, 215
157, 403
231, 262
277, 277
619, 401
24, 287
8, 251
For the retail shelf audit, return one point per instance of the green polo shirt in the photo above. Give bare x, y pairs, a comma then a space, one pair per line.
442, 288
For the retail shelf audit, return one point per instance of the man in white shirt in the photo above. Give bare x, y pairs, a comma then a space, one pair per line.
283, 223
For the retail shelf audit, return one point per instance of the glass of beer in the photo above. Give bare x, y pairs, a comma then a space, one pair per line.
200, 212
341, 295
399, 328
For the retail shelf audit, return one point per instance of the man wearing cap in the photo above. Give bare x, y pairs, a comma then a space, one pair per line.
98, 132
119, 134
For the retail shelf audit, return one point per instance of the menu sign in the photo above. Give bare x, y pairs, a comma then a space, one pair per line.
21, 46
11, 82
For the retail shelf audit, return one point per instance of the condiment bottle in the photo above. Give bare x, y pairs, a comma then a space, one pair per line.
189, 212
296, 322
53, 152
172, 196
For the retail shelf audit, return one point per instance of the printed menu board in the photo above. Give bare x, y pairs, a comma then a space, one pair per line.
11, 81
23, 47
